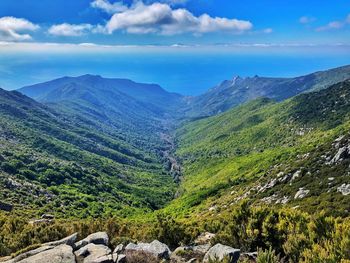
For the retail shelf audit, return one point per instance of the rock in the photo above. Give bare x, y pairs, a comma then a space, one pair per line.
92, 253
201, 248
47, 216
192, 260
344, 189
155, 248
67, 241
296, 175
301, 193
29, 254
213, 208
204, 238
35, 222
343, 153
251, 256
59, 254
118, 249
121, 259
220, 251
99, 238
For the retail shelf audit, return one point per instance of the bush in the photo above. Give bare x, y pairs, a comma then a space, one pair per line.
267, 256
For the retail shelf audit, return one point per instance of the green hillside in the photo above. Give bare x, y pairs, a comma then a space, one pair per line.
266, 152
78, 165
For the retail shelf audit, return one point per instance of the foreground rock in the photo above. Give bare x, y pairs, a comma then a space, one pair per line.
92, 253
155, 249
99, 238
59, 254
221, 252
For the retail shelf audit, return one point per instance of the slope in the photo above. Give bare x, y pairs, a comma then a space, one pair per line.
239, 90
294, 154
74, 165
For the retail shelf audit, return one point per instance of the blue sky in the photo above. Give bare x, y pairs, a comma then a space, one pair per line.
185, 45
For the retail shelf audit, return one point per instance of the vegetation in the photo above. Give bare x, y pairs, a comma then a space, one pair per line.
266, 176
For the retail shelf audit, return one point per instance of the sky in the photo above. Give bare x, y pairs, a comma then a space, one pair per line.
186, 46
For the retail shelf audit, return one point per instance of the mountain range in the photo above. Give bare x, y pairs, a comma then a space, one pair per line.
92, 147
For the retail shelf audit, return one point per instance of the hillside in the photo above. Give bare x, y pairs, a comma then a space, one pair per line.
239, 90
289, 154
78, 164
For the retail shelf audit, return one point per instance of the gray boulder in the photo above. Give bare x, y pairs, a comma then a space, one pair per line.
92, 253
220, 251
121, 259
29, 254
155, 248
118, 249
59, 254
67, 241
99, 238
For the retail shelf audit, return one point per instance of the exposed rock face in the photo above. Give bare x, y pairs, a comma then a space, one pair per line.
99, 238
92, 253
301, 193
344, 189
343, 153
220, 252
155, 248
66, 241
59, 254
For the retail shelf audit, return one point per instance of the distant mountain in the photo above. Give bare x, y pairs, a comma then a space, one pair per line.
231, 93
96, 89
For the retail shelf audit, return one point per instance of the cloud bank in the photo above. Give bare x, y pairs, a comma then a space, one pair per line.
12, 28
161, 18
70, 30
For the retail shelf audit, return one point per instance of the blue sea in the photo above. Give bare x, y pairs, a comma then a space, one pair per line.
189, 71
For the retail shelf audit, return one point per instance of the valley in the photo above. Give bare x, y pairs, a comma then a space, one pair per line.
260, 162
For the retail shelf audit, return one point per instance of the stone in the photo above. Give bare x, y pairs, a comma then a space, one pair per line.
220, 251
29, 254
201, 248
342, 153
204, 238
121, 259
59, 254
192, 260
92, 253
47, 216
301, 193
99, 238
118, 249
67, 241
155, 248
344, 189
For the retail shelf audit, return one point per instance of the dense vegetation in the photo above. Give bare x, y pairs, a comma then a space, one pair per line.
265, 175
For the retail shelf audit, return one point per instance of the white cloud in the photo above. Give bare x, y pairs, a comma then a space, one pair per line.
11, 28
70, 30
161, 18
268, 30
306, 19
333, 25
106, 6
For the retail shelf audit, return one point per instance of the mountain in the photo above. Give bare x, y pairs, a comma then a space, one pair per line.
97, 89
237, 91
77, 165
286, 154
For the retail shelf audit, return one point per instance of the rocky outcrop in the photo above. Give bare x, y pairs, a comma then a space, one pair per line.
59, 254
95, 249
155, 248
344, 189
92, 253
221, 252
301, 193
99, 238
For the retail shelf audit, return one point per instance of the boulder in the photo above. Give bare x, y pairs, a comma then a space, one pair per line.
344, 189
155, 248
92, 253
47, 216
67, 241
29, 254
220, 252
99, 238
301, 193
59, 254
